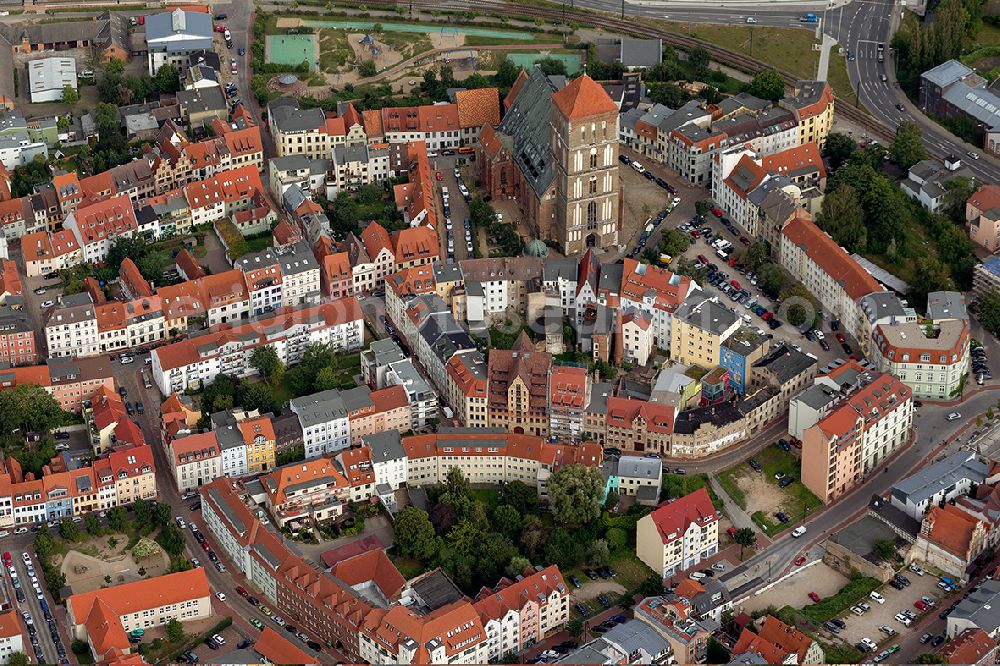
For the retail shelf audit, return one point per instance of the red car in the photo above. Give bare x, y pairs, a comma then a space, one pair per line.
732, 532
766, 316
205, 546
6, 558
220, 28
695, 234
744, 240
242, 591
716, 211
814, 596
702, 259
840, 338
920, 604
735, 283
440, 176
800, 560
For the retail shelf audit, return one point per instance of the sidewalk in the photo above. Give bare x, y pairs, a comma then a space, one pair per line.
737, 516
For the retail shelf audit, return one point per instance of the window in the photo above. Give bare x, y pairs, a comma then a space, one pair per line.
591, 215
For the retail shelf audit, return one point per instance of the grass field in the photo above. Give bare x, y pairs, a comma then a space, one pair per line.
483, 40
989, 35
334, 50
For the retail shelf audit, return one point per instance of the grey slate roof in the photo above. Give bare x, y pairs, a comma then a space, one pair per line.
290, 162
641, 52
359, 397
200, 100
640, 467
288, 117
881, 304
946, 73
525, 131
786, 362
981, 607
447, 272
560, 267
355, 152
635, 636
321, 407
707, 315
299, 260
194, 27
941, 475
942, 305
819, 396
385, 446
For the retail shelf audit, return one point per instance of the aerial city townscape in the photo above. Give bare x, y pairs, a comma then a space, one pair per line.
466, 332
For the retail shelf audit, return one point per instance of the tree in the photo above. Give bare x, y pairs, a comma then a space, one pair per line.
69, 530
699, 60
668, 94
908, 145
745, 537
797, 314
843, 218
517, 565
884, 549
17, 659
701, 207
768, 84
710, 94
838, 149
167, 80
264, 359
326, 379
674, 242
507, 73
117, 519
506, 520
367, 68
29, 408
171, 539
92, 524
575, 494
717, 652
144, 548
598, 553
70, 95
988, 311
175, 631
617, 539
252, 395
443, 518
931, 658
143, 512
551, 66
956, 192
757, 254
520, 496
414, 534
930, 275
126, 247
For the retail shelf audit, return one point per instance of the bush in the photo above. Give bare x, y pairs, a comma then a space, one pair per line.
857, 589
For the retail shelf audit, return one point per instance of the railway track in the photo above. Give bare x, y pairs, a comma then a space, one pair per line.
593, 19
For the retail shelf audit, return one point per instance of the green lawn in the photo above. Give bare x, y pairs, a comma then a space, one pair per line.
334, 49
483, 40
728, 482
836, 76
989, 35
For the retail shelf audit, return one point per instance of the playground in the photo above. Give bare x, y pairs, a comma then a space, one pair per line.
88, 565
292, 50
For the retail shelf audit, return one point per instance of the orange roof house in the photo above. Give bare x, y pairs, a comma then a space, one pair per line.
972, 646
278, 650
830, 257
749, 642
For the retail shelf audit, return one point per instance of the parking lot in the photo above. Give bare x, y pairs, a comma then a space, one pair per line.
794, 590
867, 625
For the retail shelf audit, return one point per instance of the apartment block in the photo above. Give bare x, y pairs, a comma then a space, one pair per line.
678, 535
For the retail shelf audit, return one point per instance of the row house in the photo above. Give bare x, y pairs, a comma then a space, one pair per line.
824, 268
48, 251
213, 299
517, 388
313, 491
131, 324
324, 422
117, 478
517, 614
196, 460
812, 103
678, 535
467, 388
224, 194
416, 198
336, 278
384, 366
856, 436
656, 293
247, 442
311, 132
569, 394
96, 226
70, 381
285, 278
18, 218
193, 362
179, 161
639, 425
309, 174
495, 287
71, 327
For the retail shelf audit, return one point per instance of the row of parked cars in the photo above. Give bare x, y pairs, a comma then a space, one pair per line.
649, 175
980, 364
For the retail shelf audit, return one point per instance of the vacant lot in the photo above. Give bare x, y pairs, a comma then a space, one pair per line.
794, 590
760, 495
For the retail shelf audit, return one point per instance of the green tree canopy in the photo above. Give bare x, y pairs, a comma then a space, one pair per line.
29, 408
175, 631
768, 84
988, 311
414, 534
844, 219
908, 145
745, 537
265, 360
575, 494
838, 149
70, 95
699, 60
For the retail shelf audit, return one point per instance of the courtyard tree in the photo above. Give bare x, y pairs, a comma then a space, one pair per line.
265, 360
838, 149
507, 520
117, 519
18, 659
844, 219
70, 95
884, 549
143, 512
745, 537
175, 631
29, 408
988, 311
69, 530
575, 494
522, 497
598, 553
757, 253
414, 533
92, 524
517, 565
145, 547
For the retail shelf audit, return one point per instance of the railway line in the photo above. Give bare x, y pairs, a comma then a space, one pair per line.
635, 28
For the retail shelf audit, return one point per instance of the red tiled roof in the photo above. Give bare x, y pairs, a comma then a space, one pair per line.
583, 98
478, 107
799, 157
789, 639
751, 642
415, 243
969, 647
952, 529
986, 197
568, 386
830, 257
10, 624
351, 549
278, 650
673, 519
374, 566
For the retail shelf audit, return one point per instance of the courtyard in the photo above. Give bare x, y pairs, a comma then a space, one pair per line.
88, 565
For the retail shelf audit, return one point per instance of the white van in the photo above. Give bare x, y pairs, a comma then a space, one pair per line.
638, 167
798, 531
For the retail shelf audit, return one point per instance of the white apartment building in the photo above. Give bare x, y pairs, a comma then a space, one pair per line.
678, 535
388, 458
324, 422
197, 361
71, 327
196, 460
300, 281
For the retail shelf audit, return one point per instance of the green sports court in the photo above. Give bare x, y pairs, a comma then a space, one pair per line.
292, 50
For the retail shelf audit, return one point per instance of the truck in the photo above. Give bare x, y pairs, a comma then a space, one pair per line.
809, 18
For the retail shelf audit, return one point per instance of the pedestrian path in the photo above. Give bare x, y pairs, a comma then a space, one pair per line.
737, 516
824, 57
